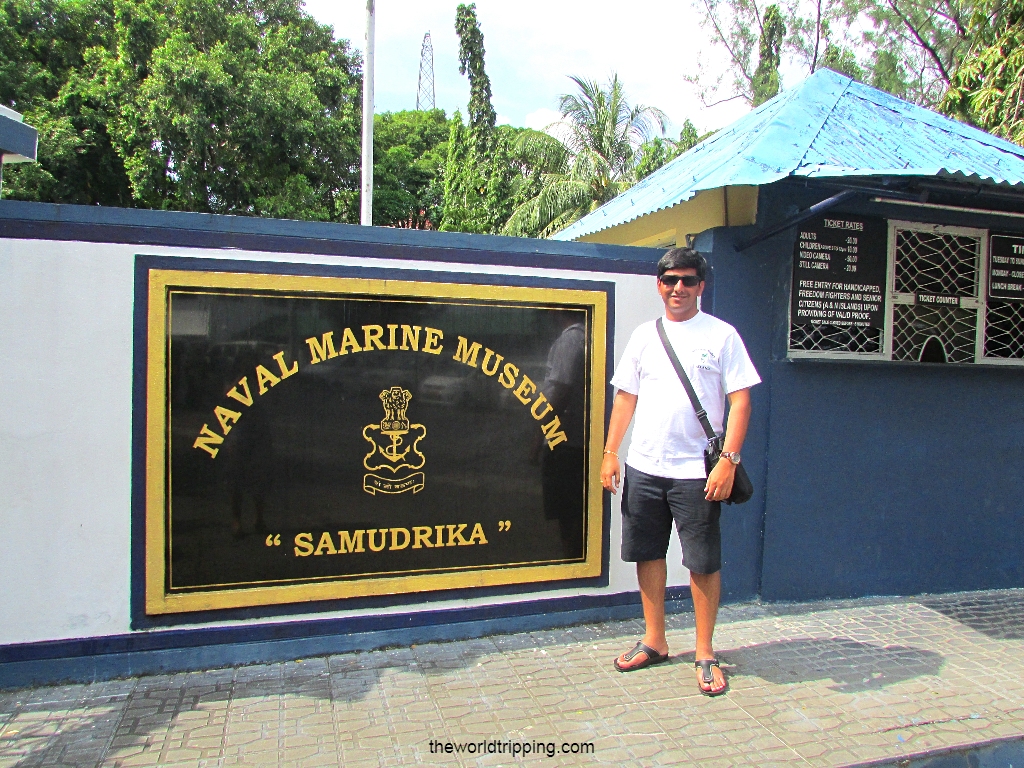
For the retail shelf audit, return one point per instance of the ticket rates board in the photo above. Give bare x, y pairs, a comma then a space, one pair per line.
324, 438
839, 271
1006, 267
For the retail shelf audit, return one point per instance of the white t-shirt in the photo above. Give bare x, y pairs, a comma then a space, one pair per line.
668, 440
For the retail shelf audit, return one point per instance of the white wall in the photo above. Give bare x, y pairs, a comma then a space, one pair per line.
65, 431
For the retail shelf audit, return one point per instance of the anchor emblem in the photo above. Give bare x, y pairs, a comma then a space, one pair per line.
393, 440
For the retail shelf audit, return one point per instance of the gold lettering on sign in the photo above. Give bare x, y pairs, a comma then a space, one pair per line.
348, 341
391, 443
383, 538
466, 353
430, 343
265, 377
207, 439
508, 376
411, 337
285, 370
351, 542
234, 394
323, 349
325, 545
525, 389
226, 418
421, 536
371, 337
497, 361
303, 544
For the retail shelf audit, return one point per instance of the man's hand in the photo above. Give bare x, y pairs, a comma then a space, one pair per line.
623, 407
719, 484
610, 472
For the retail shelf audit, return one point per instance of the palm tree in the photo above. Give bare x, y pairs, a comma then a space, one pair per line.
594, 161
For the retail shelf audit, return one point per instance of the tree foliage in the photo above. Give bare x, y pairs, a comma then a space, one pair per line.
987, 90
765, 83
226, 106
843, 61
409, 152
471, 62
596, 160
478, 172
659, 150
43, 50
910, 48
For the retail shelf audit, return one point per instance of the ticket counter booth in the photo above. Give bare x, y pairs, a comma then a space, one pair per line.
871, 254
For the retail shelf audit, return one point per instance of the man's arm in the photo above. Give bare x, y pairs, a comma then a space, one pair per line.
719, 484
623, 408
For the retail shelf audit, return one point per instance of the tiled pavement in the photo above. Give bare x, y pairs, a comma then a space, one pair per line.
835, 683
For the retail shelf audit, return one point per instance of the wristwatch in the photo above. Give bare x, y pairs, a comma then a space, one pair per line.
732, 456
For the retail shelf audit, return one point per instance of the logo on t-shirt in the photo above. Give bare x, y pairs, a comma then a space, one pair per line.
706, 359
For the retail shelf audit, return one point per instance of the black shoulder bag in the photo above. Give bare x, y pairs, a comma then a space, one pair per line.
742, 488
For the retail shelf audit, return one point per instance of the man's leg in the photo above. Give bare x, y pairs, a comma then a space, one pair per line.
706, 589
652, 575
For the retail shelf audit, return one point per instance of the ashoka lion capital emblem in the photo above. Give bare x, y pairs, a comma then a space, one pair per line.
395, 447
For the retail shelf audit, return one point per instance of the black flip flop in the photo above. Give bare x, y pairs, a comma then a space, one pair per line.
653, 657
708, 677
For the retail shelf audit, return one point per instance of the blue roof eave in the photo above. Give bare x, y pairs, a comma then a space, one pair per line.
826, 127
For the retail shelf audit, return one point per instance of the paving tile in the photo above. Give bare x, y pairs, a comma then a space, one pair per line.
820, 684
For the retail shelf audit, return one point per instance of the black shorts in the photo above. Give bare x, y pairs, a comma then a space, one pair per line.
650, 504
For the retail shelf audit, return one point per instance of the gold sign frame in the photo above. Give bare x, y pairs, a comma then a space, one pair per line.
160, 600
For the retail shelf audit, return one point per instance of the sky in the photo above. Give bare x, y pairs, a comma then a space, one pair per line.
532, 46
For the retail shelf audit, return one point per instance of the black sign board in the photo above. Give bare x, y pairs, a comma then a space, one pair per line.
313, 438
839, 271
1006, 267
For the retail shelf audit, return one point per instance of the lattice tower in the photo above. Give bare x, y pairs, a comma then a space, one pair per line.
425, 88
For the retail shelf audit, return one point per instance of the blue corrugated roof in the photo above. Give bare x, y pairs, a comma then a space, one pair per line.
827, 126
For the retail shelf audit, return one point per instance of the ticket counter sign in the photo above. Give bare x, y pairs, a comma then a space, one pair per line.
327, 438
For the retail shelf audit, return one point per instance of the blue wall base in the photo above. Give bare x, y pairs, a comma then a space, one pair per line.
84, 661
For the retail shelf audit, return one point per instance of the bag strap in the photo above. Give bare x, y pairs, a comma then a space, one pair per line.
702, 415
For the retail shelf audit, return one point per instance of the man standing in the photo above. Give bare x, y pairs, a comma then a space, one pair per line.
665, 478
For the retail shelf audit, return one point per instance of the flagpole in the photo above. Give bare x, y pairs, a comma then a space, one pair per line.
366, 198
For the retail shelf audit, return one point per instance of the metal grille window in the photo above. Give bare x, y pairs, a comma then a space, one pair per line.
1004, 330
834, 338
941, 303
935, 295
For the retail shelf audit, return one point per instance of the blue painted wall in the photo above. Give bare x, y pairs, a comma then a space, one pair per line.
873, 478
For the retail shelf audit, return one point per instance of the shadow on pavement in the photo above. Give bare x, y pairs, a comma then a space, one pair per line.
1003, 753
86, 725
998, 616
852, 665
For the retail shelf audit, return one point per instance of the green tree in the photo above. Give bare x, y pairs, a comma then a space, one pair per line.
228, 106
471, 62
658, 151
475, 153
927, 37
43, 50
409, 152
765, 83
464, 184
987, 89
595, 161
889, 74
843, 61
911, 48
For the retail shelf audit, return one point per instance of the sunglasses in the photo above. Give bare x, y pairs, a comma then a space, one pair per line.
669, 281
